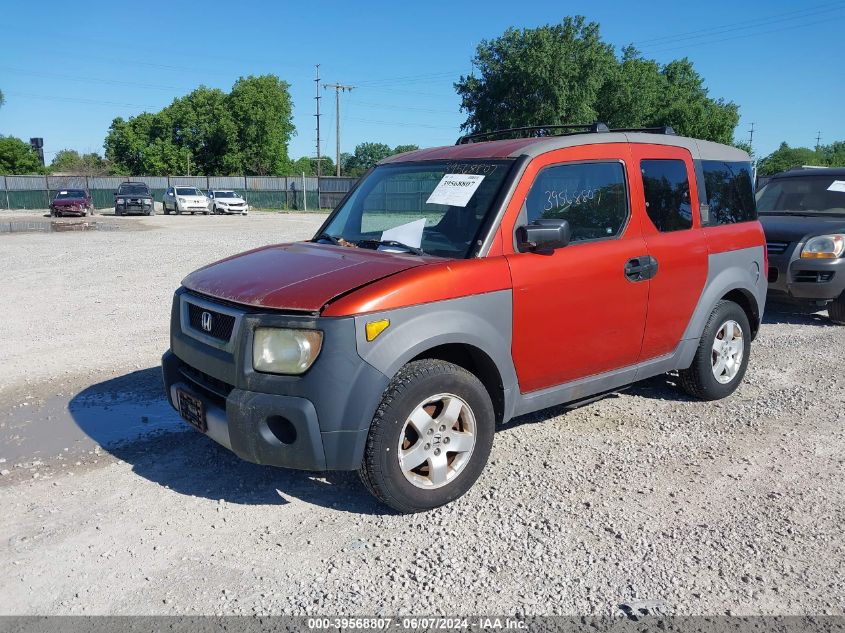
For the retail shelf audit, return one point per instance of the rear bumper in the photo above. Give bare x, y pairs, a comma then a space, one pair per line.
796, 279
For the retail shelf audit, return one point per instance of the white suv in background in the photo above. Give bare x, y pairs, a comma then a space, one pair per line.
184, 200
226, 201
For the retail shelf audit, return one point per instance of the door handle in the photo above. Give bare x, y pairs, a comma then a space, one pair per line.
640, 268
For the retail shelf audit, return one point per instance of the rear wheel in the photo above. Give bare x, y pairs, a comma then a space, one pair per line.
722, 356
836, 310
430, 438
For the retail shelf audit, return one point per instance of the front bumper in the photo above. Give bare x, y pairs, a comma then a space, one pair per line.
317, 421
796, 279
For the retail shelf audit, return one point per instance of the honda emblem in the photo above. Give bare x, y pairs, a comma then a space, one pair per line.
206, 322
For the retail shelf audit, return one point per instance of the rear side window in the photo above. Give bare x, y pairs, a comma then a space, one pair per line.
592, 197
730, 192
667, 198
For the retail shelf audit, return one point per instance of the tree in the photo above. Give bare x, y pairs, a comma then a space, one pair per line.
208, 131
565, 73
308, 165
786, 157
18, 157
401, 149
261, 106
69, 161
367, 155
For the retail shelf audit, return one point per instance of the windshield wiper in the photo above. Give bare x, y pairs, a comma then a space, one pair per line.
390, 243
327, 238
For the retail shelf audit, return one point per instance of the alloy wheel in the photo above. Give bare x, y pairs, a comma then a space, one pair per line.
437, 441
728, 350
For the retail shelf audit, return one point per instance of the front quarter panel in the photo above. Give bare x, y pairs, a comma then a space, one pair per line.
482, 321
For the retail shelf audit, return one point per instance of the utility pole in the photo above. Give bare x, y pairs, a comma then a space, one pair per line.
818, 139
317, 83
337, 90
751, 132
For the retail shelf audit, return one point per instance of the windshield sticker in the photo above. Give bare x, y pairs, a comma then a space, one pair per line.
837, 185
64, 193
409, 234
455, 189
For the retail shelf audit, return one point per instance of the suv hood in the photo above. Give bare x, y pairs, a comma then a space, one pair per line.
792, 228
300, 276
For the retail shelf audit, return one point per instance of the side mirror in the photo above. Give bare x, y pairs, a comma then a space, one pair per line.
543, 235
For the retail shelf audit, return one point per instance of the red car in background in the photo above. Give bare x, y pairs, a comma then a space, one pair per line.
71, 202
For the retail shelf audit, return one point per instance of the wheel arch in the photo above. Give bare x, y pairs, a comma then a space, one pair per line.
745, 300
477, 362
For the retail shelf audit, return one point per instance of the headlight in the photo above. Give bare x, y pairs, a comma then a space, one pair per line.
181, 199
824, 247
120, 200
283, 351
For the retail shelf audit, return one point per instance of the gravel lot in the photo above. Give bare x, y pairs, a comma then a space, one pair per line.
729, 507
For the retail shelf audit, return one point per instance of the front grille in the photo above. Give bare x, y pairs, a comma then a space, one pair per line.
221, 324
813, 276
776, 248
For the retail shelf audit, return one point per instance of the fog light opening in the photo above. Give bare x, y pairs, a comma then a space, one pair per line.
282, 429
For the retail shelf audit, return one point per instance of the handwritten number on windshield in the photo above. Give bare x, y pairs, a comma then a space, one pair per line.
559, 200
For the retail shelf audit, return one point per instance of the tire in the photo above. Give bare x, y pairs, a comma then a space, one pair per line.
418, 384
164, 208
700, 380
836, 310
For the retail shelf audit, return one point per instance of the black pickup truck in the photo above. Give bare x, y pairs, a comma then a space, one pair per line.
803, 215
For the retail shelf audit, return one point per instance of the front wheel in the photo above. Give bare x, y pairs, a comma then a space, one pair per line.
722, 356
836, 310
430, 438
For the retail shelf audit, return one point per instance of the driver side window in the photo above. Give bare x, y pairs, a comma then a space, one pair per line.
592, 197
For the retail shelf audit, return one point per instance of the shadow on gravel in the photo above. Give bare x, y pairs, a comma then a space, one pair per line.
131, 419
788, 314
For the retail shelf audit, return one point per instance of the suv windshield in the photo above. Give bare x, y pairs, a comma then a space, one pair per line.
134, 190
225, 194
70, 193
187, 191
802, 195
439, 207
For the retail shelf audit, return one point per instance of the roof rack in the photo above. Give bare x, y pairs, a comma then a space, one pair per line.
660, 129
539, 131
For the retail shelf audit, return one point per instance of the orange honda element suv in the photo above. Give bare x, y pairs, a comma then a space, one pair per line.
457, 287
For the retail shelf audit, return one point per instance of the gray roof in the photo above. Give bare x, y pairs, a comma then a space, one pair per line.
704, 150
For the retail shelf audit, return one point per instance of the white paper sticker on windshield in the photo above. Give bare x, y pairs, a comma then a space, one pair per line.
455, 189
837, 185
409, 234
64, 193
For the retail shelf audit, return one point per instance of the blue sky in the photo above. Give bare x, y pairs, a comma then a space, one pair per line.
66, 74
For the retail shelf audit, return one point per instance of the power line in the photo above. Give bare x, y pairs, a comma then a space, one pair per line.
735, 37
386, 106
402, 124
85, 79
779, 17
26, 95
